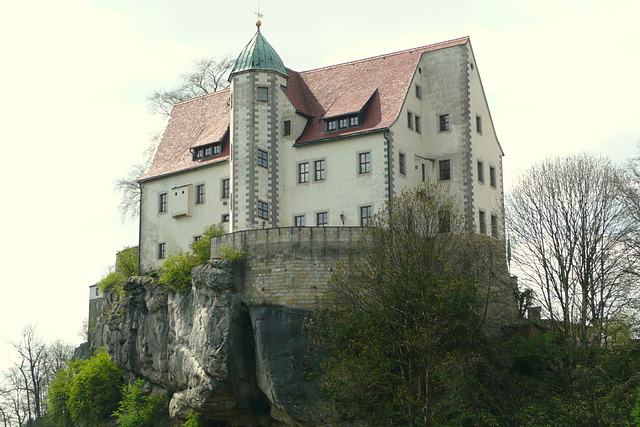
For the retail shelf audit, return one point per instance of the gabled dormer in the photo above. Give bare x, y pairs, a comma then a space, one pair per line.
347, 111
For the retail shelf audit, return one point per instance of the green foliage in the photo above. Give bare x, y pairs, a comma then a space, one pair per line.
401, 317
113, 282
202, 248
126, 266
127, 261
176, 269
194, 420
231, 254
86, 392
58, 396
636, 409
138, 410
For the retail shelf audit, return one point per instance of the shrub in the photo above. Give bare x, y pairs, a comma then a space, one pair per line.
126, 266
176, 269
86, 392
138, 410
231, 254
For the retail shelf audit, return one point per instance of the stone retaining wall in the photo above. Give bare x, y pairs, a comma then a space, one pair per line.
289, 266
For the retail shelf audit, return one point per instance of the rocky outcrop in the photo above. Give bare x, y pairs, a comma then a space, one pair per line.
211, 350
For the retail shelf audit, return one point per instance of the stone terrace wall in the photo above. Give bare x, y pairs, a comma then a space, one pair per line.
289, 266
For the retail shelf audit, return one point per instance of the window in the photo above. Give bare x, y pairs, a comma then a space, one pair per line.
303, 172
445, 169
263, 94
162, 250
263, 158
365, 215
424, 172
410, 119
322, 219
206, 151
225, 188
492, 176
418, 124
480, 171
494, 226
225, 217
343, 122
200, 193
418, 91
444, 124
163, 202
320, 169
364, 162
478, 124
197, 238
263, 210
299, 220
444, 221
482, 221
287, 127
402, 162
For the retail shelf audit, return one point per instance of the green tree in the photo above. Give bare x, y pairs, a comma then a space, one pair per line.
139, 410
176, 269
126, 266
401, 318
94, 390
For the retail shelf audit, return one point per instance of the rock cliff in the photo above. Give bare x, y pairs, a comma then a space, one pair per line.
211, 350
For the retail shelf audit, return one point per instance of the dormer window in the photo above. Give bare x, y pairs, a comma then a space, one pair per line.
206, 151
344, 122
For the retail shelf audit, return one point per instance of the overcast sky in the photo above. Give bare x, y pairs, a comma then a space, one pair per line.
560, 77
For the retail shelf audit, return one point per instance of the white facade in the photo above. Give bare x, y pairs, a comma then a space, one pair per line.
429, 108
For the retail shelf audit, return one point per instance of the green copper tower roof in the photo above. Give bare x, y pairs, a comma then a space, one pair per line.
259, 55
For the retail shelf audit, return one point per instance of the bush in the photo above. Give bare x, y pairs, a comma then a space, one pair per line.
86, 392
176, 269
138, 410
231, 254
126, 266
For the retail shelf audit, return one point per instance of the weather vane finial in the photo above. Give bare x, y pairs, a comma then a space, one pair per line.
258, 22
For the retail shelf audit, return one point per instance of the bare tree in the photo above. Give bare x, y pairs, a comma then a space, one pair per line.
631, 191
566, 217
32, 353
208, 76
130, 191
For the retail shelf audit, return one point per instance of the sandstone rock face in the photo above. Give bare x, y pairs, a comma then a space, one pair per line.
211, 350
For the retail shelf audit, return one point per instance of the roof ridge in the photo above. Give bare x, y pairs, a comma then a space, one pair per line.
218, 92
384, 55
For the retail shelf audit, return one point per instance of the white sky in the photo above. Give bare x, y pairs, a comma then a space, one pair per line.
560, 77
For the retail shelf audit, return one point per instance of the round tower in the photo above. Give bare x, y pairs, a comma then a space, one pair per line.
256, 95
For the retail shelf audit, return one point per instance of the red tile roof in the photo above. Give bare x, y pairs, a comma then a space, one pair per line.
195, 122
380, 82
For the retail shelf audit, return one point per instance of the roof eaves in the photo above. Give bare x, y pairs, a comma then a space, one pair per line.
338, 137
164, 175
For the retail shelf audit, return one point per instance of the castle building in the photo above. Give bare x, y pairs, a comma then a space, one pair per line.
325, 147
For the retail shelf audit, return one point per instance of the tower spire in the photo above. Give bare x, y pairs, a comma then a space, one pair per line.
260, 16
